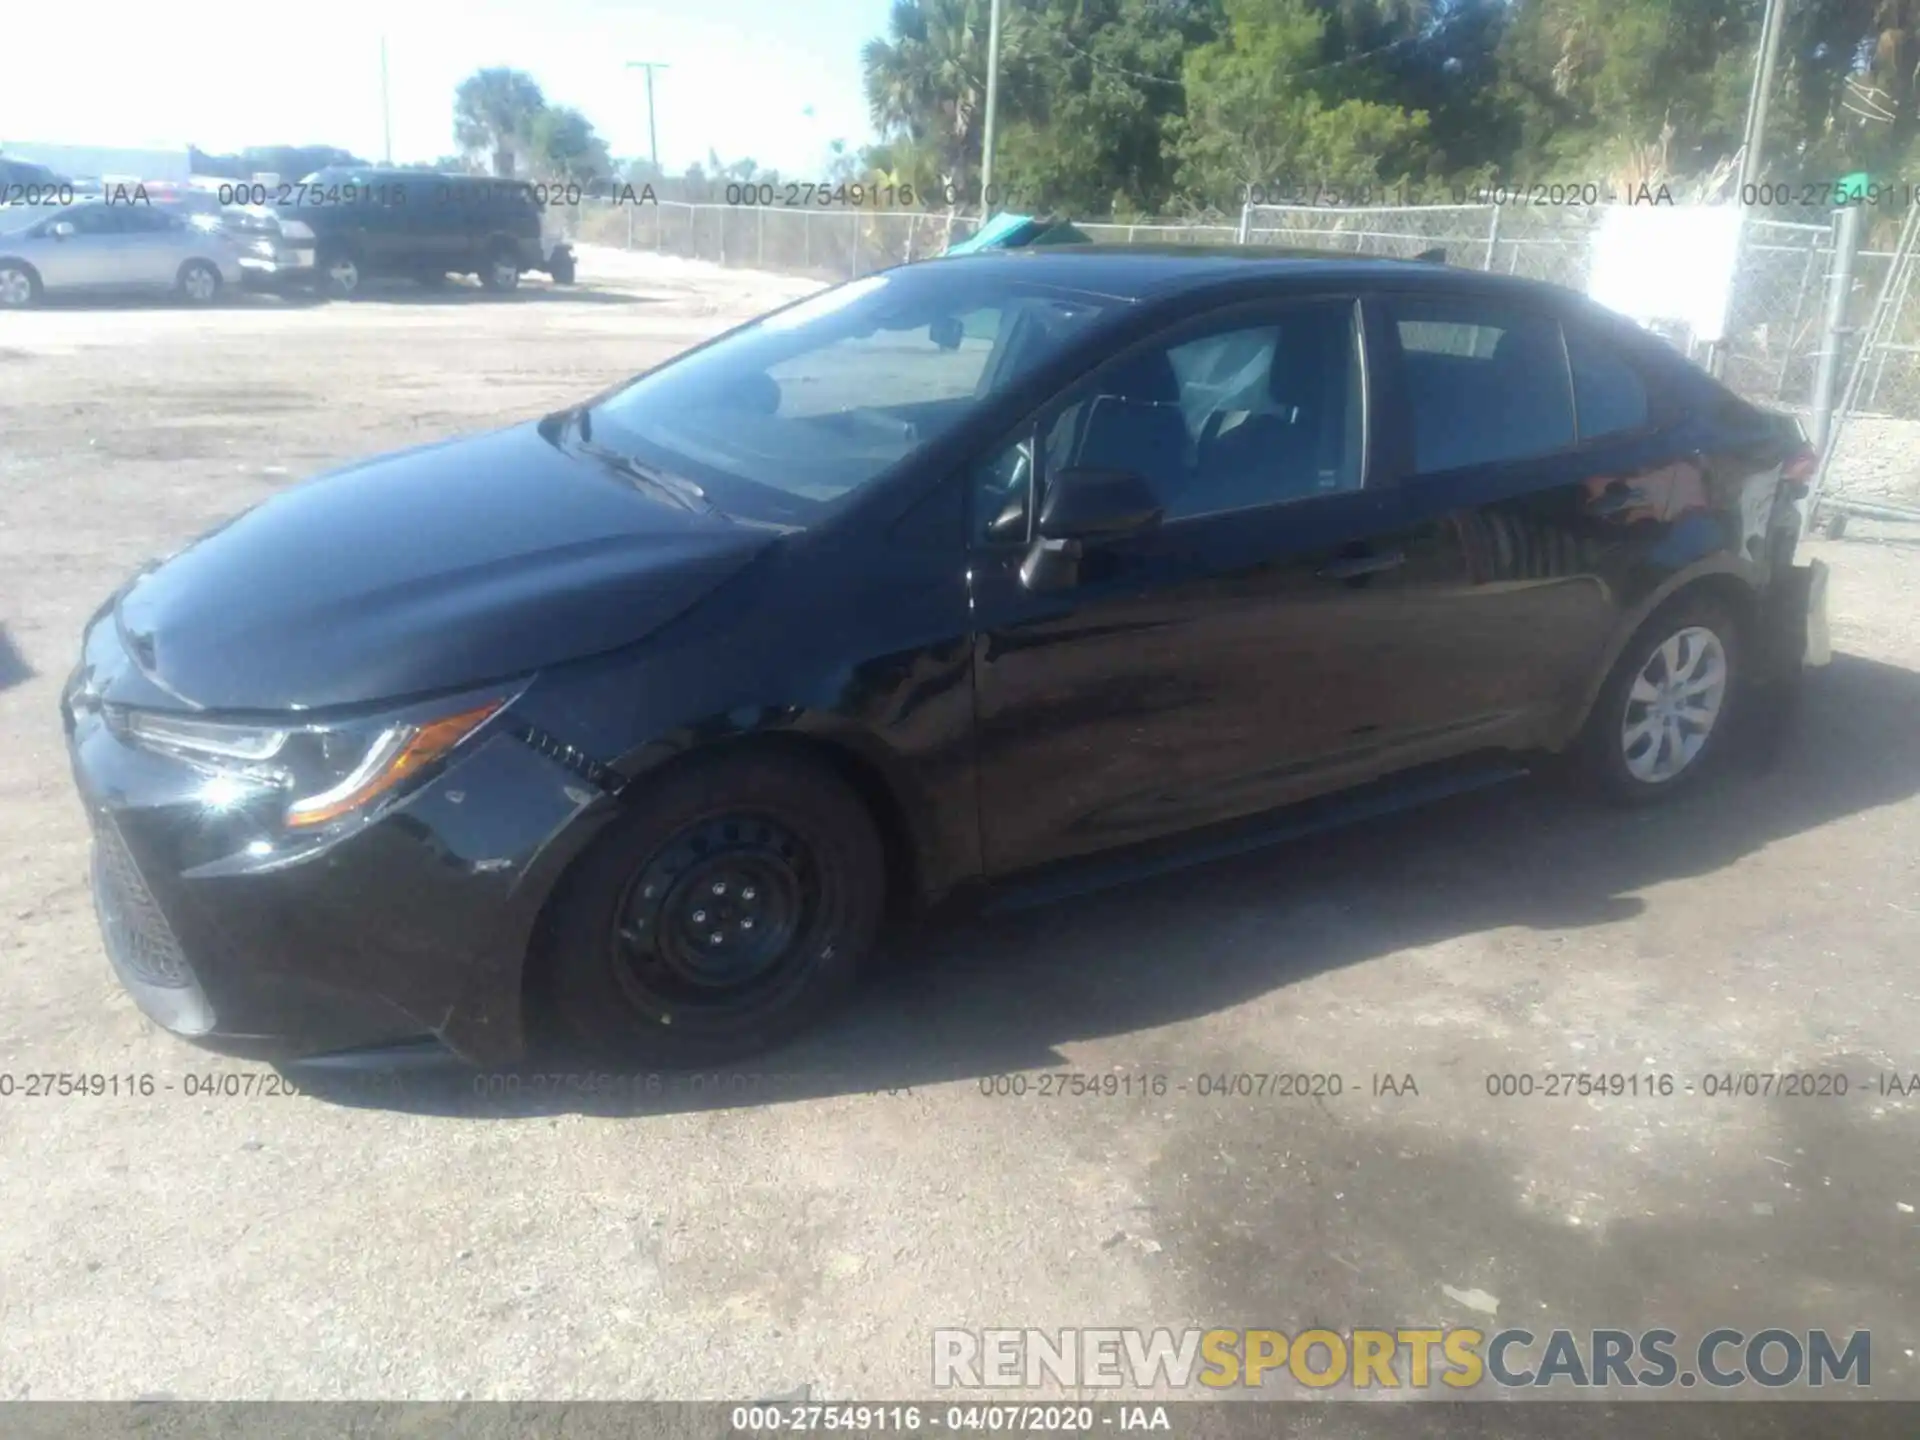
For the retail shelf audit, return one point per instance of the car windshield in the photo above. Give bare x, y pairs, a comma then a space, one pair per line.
802, 407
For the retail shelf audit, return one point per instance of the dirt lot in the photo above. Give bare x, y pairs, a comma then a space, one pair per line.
412, 1240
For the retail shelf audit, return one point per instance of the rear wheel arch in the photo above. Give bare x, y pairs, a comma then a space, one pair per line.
1727, 584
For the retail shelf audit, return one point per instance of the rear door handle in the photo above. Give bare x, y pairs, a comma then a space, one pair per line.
1355, 566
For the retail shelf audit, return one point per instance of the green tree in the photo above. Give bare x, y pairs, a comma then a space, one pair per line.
1086, 97
494, 112
1266, 105
926, 82
563, 144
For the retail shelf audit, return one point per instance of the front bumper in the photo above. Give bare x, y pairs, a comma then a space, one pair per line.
416, 924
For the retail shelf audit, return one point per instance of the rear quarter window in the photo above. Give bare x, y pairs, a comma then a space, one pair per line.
1610, 395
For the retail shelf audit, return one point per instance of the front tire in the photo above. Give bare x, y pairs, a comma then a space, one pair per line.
19, 285
561, 270
198, 283
1661, 719
727, 913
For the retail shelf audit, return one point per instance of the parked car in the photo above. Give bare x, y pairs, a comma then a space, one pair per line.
340, 227
981, 569
112, 248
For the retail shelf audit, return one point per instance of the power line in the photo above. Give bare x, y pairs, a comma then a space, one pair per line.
1354, 59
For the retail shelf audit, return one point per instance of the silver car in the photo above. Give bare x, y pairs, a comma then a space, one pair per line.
112, 248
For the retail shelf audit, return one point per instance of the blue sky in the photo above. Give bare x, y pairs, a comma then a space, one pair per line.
743, 73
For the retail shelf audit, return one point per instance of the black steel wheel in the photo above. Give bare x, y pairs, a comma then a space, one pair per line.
725, 914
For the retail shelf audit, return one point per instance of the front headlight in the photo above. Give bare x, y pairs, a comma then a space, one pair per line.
322, 772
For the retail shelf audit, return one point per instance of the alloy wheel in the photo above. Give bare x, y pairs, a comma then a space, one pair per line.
1673, 705
200, 283
16, 286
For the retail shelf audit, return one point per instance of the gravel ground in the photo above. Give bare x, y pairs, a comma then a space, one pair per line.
409, 1239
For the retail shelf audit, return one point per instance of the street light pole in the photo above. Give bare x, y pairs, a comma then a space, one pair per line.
653, 140
386, 108
993, 95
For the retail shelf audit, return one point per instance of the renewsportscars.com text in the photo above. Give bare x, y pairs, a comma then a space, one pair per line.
1417, 1358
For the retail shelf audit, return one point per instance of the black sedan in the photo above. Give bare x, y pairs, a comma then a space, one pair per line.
646, 716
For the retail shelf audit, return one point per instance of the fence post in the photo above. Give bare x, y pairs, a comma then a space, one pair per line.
1246, 222
1493, 238
629, 227
853, 248
1833, 328
760, 238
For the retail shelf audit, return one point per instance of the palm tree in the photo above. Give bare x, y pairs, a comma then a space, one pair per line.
927, 81
494, 111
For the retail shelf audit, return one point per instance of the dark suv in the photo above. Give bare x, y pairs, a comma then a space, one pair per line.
341, 226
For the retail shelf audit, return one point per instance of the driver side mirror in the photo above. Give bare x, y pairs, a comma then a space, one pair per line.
1085, 505
60, 229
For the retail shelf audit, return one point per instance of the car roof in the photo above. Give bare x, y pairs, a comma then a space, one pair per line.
1155, 271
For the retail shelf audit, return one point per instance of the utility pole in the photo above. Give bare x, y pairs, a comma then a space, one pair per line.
653, 140
993, 95
386, 108
1755, 139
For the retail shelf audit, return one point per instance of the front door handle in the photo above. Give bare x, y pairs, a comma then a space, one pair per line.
1353, 567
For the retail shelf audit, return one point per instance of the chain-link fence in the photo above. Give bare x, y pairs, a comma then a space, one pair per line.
827, 244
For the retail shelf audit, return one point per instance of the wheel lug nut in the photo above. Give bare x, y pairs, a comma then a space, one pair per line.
746, 924
719, 887
715, 938
748, 893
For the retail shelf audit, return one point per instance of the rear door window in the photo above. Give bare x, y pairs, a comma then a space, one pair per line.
1485, 383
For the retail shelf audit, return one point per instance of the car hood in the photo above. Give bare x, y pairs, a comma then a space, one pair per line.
449, 565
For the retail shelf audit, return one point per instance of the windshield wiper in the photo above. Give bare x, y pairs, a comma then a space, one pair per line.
673, 488
576, 424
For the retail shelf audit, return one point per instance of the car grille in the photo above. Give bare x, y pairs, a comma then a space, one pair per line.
136, 931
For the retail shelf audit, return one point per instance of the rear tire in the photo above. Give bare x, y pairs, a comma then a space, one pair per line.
340, 276
728, 912
500, 270
561, 271
1661, 720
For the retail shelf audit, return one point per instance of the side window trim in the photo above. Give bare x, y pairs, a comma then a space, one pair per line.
1027, 429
